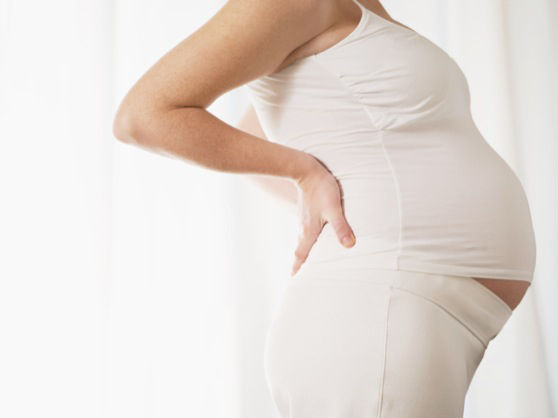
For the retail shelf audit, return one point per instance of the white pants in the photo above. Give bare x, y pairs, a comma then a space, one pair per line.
380, 344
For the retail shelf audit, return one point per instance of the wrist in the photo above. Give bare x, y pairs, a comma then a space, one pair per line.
306, 169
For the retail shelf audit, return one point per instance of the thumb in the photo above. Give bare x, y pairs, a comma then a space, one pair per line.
342, 229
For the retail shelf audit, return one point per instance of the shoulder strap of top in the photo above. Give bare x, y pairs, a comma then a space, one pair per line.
358, 4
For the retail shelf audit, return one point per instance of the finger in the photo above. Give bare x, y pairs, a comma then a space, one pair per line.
296, 266
305, 243
341, 227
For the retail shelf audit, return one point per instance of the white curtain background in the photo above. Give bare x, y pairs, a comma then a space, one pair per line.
137, 285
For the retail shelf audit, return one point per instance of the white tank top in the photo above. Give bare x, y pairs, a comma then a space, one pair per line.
388, 112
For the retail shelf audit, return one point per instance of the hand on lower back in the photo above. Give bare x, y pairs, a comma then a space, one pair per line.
319, 203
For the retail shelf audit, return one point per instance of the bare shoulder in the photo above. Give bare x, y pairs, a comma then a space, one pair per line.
242, 41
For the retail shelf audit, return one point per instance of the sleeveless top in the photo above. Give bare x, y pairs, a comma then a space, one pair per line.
388, 113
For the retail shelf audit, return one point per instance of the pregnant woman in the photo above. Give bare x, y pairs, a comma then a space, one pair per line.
416, 241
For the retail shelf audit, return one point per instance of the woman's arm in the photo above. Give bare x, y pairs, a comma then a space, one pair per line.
165, 111
284, 189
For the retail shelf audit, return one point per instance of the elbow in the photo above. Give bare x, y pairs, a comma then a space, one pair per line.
127, 126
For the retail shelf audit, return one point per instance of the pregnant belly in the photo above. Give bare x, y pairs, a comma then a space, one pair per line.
459, 215
438, 199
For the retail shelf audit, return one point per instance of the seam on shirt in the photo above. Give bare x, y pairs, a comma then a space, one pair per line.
386, 155
398, 194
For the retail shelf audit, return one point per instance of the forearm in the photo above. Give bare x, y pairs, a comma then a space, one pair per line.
195, 135
282, 188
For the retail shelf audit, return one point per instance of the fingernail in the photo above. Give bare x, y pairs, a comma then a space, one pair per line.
347, 240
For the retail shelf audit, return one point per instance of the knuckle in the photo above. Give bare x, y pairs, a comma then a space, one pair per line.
310, 229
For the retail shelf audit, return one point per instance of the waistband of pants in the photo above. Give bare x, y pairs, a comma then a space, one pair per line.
470, 302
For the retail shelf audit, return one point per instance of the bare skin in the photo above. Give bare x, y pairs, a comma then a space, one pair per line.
165, 111
348, 18
510, 291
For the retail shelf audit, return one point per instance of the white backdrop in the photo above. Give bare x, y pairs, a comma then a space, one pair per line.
137, 285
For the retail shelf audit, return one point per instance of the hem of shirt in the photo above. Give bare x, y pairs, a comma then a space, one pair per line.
465, 271
362, 263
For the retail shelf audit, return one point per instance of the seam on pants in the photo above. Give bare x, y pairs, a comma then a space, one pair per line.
467, 327
381, 393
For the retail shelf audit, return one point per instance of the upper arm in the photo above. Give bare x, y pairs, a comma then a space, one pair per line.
244, 40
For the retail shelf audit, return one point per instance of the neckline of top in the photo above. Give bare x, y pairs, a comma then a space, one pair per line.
364, 13
365, 10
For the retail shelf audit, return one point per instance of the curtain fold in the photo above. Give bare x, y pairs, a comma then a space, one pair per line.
137, 285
